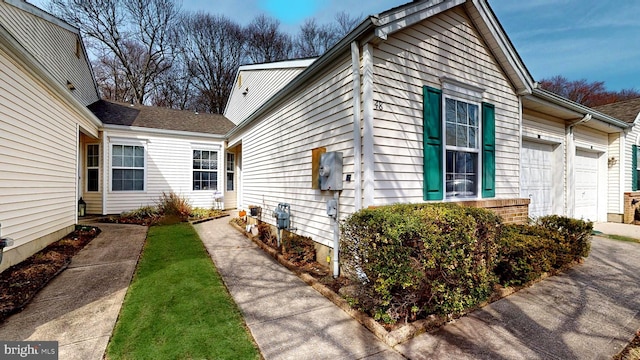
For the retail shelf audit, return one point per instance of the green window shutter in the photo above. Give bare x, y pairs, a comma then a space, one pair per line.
634, 167
488, 150
432, 130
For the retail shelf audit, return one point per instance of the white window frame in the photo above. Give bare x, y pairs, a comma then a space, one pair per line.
231, 171
112, 167
215, 150
97, 167
462, 92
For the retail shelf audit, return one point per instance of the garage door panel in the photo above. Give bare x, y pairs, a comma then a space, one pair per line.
536, 177
586, 185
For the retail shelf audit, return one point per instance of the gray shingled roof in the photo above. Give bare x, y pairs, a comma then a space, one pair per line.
115, 113
626, 111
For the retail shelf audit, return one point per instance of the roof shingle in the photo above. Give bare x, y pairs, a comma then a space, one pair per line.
115, 113
626, 111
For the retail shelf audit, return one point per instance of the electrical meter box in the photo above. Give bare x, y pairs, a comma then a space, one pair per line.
331, 171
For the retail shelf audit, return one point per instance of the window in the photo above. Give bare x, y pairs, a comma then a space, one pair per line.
127, 168
461, 144
93, 167
205, 170
231, 165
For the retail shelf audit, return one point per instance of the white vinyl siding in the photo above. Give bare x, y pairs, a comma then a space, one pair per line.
276, 151
54, 48
444, 46
254, 87
38, 154
168, 167
614, 192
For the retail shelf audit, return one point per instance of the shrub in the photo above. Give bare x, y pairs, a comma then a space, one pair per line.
411, 259
553, 242
174, 205
576, 234
526, 251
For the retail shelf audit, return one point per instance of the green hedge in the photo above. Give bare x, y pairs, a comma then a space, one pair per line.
411, 260
553, 242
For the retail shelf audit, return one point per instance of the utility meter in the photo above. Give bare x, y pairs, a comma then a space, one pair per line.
330, 171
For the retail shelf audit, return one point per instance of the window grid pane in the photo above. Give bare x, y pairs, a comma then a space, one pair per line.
205, 170
127, 162
462, 149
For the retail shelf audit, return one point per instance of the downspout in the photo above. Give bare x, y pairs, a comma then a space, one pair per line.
570, 154
105, 171
357, 137
367, 132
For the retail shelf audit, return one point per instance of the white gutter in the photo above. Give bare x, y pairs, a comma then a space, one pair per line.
570, 155
357, 137
163, 131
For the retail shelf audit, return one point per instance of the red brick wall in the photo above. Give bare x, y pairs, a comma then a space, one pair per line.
629, 208
512, 211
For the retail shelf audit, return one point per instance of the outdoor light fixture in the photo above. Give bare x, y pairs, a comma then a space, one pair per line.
82, 207
4, 242
70, 85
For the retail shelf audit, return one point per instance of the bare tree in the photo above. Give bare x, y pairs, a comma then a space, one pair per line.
346, 23
313, 39
134, 31
212, 49
588, 93
265, 41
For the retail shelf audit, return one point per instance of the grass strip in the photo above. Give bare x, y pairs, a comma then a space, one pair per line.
177, 306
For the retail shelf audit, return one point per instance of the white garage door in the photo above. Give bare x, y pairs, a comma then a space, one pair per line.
536, 177
586, 191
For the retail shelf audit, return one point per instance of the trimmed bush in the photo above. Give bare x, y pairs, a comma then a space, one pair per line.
412, 259
552, 243
575, 233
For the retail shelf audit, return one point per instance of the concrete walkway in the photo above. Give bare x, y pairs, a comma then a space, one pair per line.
79, 308
628, 230
287, 318
589, 312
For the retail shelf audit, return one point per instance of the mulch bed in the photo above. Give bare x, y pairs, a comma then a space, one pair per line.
21, 282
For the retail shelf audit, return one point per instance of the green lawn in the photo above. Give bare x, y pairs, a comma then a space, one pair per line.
177, 306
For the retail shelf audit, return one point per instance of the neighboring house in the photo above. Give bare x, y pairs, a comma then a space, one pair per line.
427, 102
627, 165
45, 86
145, 151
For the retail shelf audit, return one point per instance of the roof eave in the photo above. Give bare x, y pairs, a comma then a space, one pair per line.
343, 45
578, 108
140, 129
10, 43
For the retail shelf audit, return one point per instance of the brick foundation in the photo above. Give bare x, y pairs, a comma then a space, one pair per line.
512, 211
631, 203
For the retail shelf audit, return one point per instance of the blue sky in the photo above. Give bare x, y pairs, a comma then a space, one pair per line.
590, 39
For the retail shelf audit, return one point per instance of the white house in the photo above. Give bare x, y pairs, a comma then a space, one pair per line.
427, 102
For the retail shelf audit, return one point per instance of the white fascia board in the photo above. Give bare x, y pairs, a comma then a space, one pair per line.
36, 11
398, 19
301, 63
139, 129
13, 46
505, 45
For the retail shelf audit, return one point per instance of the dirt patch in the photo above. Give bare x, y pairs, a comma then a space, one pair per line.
21, 282
631, 351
